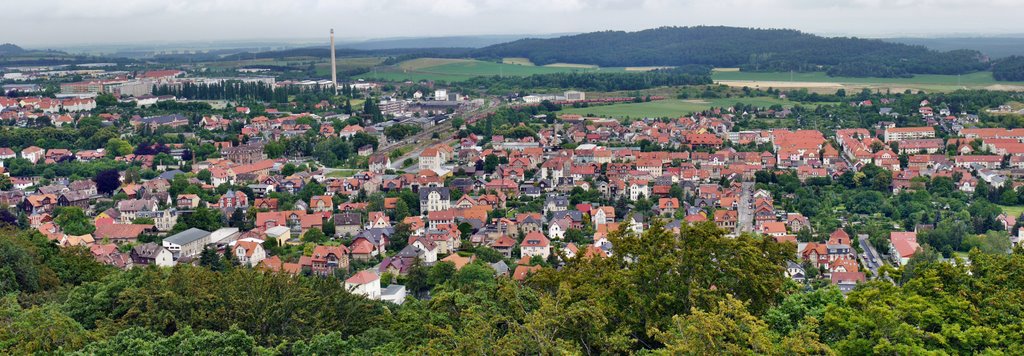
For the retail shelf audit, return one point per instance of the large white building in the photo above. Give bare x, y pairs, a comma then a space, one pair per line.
364, 283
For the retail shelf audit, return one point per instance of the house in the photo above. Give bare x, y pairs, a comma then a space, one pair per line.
795, 271
394, 293
266, 204
504, 244
33, 154
280, 233
847, 281
668, 206
379, 163
120, 233
522, 272
151, 254
233, 200
903, 246
188, 243
535, 244
347, 224
321, 203
325, 260
364, 283
188, 201
435, 199
553, 203
249, 253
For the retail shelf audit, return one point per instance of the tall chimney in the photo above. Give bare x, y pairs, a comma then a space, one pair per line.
334, 68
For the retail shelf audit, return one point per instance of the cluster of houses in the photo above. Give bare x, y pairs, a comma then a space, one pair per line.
461, 195
60, 111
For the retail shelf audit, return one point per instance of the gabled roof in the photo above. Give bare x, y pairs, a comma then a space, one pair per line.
362, 277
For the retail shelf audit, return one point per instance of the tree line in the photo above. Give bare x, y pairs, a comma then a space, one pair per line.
750, 49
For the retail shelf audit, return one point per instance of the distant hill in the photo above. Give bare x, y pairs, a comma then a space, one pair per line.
7, 49
995, 47
436, 42
750, 49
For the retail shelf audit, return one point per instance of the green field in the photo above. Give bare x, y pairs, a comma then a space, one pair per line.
924, 81
322, 65
1014, 211
518, 61
463, 69
670, 107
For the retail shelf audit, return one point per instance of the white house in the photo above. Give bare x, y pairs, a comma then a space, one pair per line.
535, 244
249, 253
364, 283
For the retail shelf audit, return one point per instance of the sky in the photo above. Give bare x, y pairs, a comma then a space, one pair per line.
42, 23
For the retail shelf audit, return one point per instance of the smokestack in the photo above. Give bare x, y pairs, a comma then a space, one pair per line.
334, 68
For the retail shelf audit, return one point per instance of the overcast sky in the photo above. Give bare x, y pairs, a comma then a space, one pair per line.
41, 23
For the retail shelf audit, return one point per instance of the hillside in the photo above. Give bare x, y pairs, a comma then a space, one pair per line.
750, 49
9, 49
994, 47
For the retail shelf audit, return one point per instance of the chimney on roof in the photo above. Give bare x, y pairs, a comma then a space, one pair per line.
334, 68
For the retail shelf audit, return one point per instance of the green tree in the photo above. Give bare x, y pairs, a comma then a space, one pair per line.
72, 221
729, 329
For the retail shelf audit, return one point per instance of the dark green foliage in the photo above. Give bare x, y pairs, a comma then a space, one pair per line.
688, 75
751, 49
1009, 69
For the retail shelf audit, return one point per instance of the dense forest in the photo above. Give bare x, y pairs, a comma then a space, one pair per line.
750, 49
688, 75
1009, 69
692, 292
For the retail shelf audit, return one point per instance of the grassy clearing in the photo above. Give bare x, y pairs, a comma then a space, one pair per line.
572, 65
670, 108
344, 173
518, 61
423, 63
1014, 211
931, 82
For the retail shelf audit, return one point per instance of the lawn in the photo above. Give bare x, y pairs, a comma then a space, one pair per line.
343, 173
670, 107
1014, 211
923, 81
461, 69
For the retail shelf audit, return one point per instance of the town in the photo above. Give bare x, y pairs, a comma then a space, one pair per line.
298, 208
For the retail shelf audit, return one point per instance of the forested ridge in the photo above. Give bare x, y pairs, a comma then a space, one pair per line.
695, 292
750, 49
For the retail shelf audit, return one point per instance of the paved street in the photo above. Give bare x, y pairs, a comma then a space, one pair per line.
870, 258
746, 209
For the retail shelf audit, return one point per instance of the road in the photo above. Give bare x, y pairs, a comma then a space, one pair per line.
423, 139
870, 258
746, 209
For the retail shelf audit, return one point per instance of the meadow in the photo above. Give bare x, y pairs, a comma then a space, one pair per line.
670, 107
1014, 211
820, 80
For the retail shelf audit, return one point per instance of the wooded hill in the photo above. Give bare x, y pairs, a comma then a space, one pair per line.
750, 49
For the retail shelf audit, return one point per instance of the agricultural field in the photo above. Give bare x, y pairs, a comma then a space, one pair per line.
321, 65
438, 69
670, 107
821, 82
517, 61
347, 64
